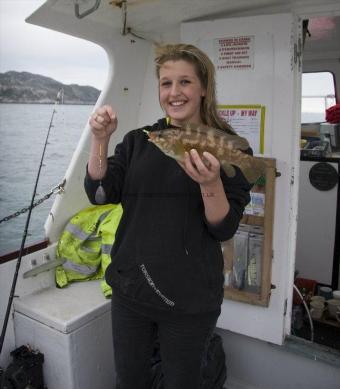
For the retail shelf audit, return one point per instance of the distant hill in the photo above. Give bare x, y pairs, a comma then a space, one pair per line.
28, 88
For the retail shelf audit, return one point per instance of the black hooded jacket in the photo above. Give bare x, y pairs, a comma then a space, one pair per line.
166, 255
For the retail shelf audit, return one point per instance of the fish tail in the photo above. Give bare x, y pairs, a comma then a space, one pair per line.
257, 170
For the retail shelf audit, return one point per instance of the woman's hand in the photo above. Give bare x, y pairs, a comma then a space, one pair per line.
205, 171
103, 122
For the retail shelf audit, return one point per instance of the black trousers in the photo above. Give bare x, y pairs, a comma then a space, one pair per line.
183, 343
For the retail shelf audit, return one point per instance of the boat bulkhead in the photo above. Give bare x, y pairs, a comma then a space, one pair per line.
261, 49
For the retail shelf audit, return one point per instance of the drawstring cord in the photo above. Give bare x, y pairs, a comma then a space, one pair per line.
162, 124
186, 219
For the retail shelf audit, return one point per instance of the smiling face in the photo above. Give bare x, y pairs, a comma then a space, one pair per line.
180, 92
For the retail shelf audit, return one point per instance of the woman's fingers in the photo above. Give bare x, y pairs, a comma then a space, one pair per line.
105, 114
197, 162
212, 162
201, 170
110, 112
189, 164
103, 121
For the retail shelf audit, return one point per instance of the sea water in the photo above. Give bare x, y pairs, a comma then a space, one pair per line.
23, 130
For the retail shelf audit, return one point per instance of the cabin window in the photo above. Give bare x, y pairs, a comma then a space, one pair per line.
318, 94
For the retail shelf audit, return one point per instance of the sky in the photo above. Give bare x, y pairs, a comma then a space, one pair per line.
25, 47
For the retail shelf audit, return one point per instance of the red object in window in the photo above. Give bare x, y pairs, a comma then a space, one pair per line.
306, 287
333, 114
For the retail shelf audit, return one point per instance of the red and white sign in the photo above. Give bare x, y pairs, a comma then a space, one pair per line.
234, 53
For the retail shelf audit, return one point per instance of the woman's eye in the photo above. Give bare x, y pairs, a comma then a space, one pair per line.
166, 83
185, 82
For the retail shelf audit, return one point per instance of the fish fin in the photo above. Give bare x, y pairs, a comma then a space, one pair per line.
232, 140
240, 143
228, 169
255, 171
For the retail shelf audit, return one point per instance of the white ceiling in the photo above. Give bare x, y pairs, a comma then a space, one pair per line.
154, 15
149, 18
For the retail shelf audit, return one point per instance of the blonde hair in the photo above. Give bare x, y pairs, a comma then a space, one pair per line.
205, 71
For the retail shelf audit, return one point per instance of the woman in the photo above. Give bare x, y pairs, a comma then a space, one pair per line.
167, 266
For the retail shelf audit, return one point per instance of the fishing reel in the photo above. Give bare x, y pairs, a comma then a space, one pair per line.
25, 372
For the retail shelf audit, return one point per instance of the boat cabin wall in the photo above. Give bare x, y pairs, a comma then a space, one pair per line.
128, 89
132, 90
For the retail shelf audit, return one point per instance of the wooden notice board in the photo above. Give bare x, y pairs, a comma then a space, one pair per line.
263, 192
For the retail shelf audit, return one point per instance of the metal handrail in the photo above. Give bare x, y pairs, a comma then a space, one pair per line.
319, 96
85, 13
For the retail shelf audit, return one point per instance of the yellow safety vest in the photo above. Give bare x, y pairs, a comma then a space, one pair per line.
85, 245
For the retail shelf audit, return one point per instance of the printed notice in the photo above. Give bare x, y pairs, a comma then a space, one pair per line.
234, 53
256, 204
247, 121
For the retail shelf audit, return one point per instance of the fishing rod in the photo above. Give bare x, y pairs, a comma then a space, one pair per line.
15, 278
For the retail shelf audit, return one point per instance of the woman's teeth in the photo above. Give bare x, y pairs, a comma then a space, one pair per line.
177, 103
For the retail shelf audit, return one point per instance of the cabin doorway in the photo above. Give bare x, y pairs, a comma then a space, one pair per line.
315, 312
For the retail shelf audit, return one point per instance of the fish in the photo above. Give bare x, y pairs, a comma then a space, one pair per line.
227, 148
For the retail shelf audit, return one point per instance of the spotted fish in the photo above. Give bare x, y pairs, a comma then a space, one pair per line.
227, 148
